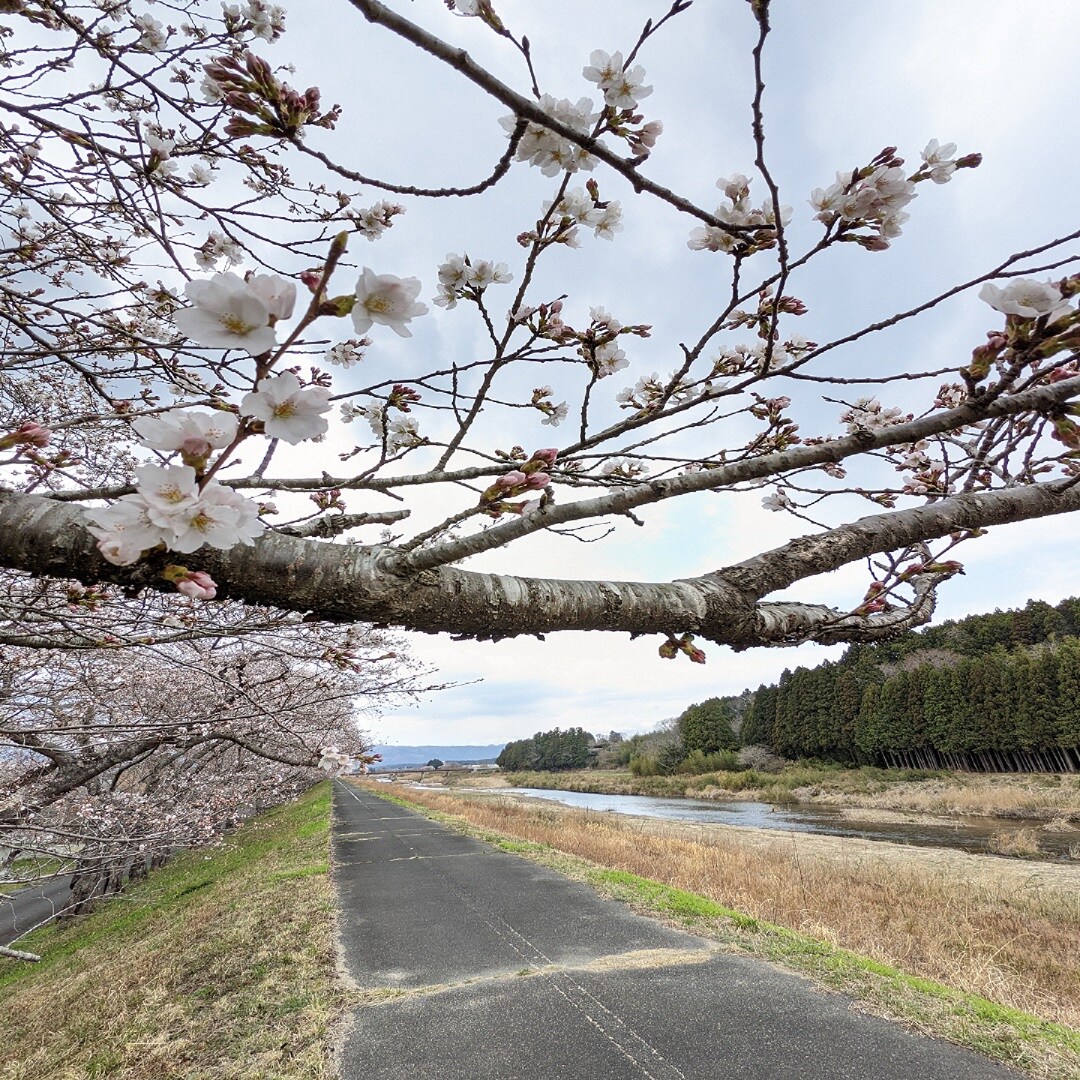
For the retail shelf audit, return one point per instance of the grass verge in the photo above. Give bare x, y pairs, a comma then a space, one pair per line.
615, 857
219, 966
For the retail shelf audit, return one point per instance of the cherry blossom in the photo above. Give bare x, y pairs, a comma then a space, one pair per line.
549, 152
277, 293
1027, 298
218, 246
288, 411
167, 489
226, 314
124, 530
940, 160
221, 518
151, 33
387, 300
622, 89
178, 428
347, 353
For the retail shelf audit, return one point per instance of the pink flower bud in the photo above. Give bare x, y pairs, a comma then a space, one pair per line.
512, 479
29, 434
546, 456
198, 586
537, 480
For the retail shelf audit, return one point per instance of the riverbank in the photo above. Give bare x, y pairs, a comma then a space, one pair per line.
1005, 930
1044, 798
220, 965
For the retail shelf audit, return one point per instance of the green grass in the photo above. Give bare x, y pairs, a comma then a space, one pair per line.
219, 966
1042, 1049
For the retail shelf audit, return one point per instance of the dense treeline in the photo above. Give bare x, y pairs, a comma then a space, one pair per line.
996, 692
549, 751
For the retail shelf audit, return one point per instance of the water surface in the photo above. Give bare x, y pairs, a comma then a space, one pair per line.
972, 835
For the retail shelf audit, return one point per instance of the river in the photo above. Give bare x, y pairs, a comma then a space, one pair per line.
973, 835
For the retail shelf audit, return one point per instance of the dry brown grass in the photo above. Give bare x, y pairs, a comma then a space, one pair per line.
1017, 946
1023, 842
1034, 797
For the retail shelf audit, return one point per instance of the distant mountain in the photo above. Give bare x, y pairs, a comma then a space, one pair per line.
420, 755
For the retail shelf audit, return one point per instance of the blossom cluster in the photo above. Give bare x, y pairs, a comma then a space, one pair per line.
373, 221
623, 471
401, 433
548, 151
530, 476
554, 413
752, 229
463, 278
622, 89
868, 414
582, 206
169, 509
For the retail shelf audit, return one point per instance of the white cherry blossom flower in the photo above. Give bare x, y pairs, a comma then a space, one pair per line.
211, 90
227, 314
124, 530
483, 272
171, 430
152, 34
557, 414
609, 358
940, 160
200, 175
166, 489
347, 353
609, 222
1027, 298
288, 411
627, 88
387, 300
404, 434
777, 501
277, 293
158, 144
603, 67
222, 518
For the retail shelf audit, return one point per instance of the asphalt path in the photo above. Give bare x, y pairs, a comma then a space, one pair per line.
485, 966
23, 910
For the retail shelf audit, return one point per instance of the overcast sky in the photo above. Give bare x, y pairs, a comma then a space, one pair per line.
844, 79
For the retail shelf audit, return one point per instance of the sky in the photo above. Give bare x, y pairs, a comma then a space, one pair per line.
843, 80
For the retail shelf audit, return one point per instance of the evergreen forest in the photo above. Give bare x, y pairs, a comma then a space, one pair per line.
995, 693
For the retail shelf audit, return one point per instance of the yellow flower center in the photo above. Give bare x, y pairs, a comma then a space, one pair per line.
377, 304
285, 409
235, 325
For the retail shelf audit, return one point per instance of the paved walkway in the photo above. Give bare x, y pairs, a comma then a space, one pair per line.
505, 970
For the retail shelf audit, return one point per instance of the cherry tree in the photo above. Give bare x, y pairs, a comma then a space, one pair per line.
206, 385
113, 757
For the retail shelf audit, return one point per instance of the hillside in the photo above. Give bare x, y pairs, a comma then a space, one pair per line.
996, 692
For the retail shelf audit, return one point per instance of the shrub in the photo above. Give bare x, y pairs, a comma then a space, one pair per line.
760, 758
